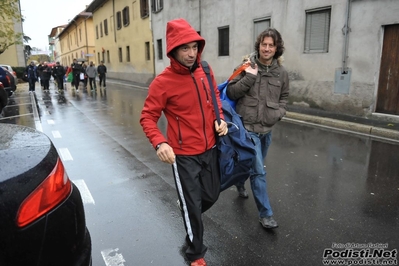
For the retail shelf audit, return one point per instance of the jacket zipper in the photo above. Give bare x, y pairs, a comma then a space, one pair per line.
178, 128
206, 92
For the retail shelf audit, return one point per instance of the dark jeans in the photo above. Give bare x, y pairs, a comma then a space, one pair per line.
91, 80
102, 79
32, 82
60, 82
46, 84
76, 80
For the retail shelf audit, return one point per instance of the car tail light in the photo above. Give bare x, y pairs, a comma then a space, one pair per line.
9, 80
54, 189
15, 73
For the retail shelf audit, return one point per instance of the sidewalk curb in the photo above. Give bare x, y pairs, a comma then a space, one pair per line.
344, 125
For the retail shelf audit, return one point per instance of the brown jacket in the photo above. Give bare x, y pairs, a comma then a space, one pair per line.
262, 98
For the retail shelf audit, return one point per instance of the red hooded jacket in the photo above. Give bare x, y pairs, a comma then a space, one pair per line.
184, 96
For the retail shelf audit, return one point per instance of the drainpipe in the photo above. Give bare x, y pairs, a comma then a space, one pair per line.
345, 30
153, 45
113, 12
87, 42
200, 16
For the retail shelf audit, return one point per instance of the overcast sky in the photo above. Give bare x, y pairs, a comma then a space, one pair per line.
41, 16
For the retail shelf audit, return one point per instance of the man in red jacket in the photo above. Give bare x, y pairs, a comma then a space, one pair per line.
183, 94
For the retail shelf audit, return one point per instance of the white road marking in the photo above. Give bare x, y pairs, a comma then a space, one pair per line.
112, 257
65, 154
84, 191
38, 126
50, 122
56, 134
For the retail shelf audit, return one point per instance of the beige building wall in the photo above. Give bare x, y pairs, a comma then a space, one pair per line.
76, 40
127, 49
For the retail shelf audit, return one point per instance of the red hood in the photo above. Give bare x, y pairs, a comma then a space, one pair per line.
179, 32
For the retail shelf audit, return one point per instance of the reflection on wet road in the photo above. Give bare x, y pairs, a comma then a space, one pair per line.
325, 187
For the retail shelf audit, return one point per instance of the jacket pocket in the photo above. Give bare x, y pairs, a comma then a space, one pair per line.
249, 109
271, 114
274, 88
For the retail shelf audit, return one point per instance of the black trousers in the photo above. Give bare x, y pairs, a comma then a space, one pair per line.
102, 80
197, 182
32, 82
46, 84
60, 82
76, 80
91, 80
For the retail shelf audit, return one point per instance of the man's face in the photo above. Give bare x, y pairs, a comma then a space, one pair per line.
267, 49
187, 53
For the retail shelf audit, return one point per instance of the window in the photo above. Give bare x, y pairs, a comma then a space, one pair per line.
80, 34
159, 46
127, 53
120, 54
260, 25
101, 29
147, 51
105, 26
156, 5
125, 15
108, 57
317, 30
144, 12
224, 41
97, 31
98, 57
103, 53
118, 20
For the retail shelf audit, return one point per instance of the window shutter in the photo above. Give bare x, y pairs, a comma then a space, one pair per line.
317, 31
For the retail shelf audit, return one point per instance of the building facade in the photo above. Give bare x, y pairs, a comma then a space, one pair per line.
76, 40
54, 43
341, 55
123, 38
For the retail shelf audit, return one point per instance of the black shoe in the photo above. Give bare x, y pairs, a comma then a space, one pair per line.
268, 222
242, 192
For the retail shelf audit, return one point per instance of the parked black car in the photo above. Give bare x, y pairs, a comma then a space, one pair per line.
8, 80
42, 219
3, 97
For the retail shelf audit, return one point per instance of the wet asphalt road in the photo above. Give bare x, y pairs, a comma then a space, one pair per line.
325, 187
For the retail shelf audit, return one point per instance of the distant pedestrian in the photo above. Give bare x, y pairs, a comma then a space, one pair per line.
39, 73
84, 75
102, 71
45, 76
31, 75
58, 74
76, 70
91, 73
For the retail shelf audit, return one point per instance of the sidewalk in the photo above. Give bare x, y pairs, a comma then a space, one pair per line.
375, 127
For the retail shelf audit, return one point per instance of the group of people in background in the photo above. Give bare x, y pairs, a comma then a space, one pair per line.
80, 73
